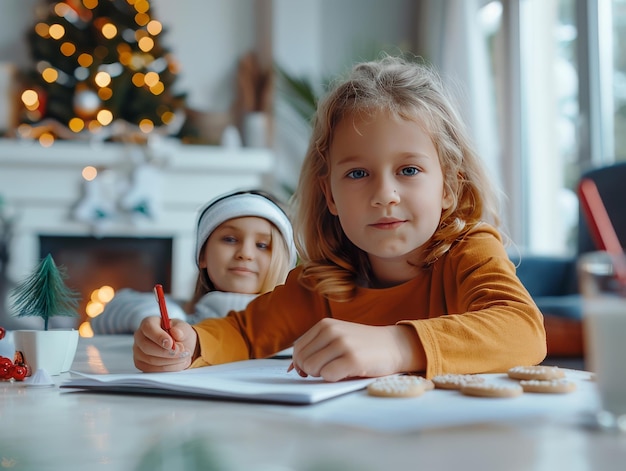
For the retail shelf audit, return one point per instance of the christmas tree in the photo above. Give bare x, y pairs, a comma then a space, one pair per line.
99, 68
45, 294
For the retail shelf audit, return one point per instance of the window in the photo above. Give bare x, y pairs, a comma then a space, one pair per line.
559, 68
617, 70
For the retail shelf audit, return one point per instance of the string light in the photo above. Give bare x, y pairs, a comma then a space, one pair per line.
151, 79
46, 139
89, 172
105, 117
85, 330
43, 30
142, 6
102, 79
56, 31
146, 125
90, 4
105, 93
85, 60
138, 79
30, 98
50, 74
154, 27
67, 49
106, 294
76, 125
94, 126
167, 117
109, 31
157, 88
65, 11
94, 309
146, 44
97, 301
142, 19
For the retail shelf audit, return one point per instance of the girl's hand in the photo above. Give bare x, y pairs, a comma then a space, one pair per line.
153, 350
336, 350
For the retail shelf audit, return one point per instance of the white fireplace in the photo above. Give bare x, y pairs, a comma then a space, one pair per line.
45, 190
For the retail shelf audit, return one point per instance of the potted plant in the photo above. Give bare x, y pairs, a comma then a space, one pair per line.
45, 295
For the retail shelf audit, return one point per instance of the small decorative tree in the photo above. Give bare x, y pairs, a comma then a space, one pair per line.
45, 294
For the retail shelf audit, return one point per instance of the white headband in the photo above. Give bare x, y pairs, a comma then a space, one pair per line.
235, 205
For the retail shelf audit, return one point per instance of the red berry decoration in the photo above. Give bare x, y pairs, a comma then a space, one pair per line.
18, 372
5, 362
8, 370
3, 332
5, 368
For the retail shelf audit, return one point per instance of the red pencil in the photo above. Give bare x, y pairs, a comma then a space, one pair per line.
165, 318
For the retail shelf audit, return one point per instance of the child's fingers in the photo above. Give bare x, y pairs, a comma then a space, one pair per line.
151, 339
153, 349
184, 336
145, 358
314, 361
311, 349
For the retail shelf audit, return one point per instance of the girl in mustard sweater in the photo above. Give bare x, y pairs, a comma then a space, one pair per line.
402, 265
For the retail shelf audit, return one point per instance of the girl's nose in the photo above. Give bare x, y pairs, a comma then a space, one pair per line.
385, 193
245, 251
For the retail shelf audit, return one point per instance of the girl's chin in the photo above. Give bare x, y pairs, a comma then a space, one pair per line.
238, 286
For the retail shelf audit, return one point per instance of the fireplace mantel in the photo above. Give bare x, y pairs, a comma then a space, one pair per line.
42, 187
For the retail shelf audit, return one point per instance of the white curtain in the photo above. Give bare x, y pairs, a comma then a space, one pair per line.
452, 39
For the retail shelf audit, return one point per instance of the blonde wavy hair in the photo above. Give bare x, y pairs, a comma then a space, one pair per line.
332, 264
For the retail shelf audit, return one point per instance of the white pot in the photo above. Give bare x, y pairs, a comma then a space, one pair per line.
256, 129
50, 350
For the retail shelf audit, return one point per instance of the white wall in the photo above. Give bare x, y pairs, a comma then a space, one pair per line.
320, 39
315, 38
16, 17
208, 37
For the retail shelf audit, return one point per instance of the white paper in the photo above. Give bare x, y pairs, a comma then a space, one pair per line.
255, 380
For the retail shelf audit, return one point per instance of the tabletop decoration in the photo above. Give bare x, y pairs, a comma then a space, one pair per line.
10, 370
44, 294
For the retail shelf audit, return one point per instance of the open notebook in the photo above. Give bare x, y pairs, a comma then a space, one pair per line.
264, 380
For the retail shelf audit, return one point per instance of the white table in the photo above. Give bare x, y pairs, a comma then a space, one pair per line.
50, 429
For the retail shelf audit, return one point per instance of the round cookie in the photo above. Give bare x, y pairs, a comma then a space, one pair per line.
397, 386
550, 386
492, 390
538, 372
455, 381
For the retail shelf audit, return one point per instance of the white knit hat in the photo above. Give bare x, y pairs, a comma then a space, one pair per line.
241, 204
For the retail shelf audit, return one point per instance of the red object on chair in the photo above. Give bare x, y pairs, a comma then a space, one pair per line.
600, 226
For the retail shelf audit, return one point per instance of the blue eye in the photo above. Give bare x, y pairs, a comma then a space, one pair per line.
263, 246
229, 239
357, 174
409, 171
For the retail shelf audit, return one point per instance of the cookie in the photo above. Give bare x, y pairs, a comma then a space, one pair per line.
428, 384
550, 386
491, 390
455, 381
397, 386
536, 372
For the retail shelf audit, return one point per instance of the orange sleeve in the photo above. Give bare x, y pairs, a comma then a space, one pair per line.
269, 324
490, 322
